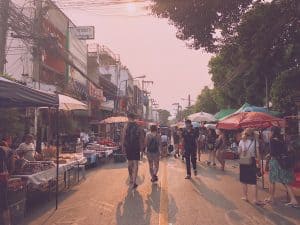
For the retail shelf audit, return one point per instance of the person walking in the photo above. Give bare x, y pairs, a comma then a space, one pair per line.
6, 168
249, 153
164, 145
189, 137
210, 142
153, 152
278, 174
132, 144
220, 148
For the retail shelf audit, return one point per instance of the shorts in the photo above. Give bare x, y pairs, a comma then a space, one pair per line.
3, 197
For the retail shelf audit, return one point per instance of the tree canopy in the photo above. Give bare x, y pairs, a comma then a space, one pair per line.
163, 116
255, 42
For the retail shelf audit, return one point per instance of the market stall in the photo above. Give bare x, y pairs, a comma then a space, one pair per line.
38, 174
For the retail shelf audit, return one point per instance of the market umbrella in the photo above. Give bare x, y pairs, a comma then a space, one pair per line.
201, 117
67, 103
223, 113
114, 119
250, 119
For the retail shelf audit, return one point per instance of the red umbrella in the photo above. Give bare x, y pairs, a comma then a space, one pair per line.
250, 119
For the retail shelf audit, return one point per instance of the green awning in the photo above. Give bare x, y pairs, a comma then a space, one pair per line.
223, 113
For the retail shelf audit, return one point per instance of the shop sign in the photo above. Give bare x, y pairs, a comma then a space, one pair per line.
84, 32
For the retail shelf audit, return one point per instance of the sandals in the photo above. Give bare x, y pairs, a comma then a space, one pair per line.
269, 201
294, 205
259, 203
245, 199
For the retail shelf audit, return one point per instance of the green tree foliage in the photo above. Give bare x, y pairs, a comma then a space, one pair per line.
206, 101
254, 40
163, 116
284, 88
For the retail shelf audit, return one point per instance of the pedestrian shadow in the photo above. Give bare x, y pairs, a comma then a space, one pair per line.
139, 180
153, 198
274, 217
131, 211
212, 196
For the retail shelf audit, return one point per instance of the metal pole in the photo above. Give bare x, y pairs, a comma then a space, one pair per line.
267, 92
57, 157
4, 15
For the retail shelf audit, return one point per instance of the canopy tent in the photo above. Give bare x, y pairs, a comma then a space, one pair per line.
67, 103
13, 94
223, 113
252, 108
201, 117
115, 119
250, 119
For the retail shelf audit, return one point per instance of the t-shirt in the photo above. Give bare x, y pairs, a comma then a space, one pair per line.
164, 138
149, 137
277, 147
176, 137
248, 147
28, 151
190, 140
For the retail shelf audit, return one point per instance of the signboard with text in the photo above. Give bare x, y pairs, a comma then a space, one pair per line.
84, 32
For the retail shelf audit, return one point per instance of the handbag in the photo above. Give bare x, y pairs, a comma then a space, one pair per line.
246, 160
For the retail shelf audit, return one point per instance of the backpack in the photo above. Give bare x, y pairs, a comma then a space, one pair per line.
153, 145
132, 136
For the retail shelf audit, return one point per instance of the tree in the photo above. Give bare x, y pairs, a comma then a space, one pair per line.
284, 88
206, 102
163, 116
203, 23
209, 24
266, 45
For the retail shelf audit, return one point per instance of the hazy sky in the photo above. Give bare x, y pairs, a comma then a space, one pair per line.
147, 45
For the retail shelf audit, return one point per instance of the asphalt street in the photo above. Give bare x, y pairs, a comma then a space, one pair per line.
212, 197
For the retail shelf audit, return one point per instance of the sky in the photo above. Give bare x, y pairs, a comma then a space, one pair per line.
147, 45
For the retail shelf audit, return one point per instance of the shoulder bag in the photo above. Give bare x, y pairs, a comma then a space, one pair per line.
246, 160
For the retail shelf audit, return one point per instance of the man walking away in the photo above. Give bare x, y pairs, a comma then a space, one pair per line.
153, 153
132, 143
164, 145
190, 146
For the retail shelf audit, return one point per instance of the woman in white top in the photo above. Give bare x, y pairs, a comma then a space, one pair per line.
248, 152
26, 149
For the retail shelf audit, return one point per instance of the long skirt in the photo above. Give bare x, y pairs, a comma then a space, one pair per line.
279, 175
248, 173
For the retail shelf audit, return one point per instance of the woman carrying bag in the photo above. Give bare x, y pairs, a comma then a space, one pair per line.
281, 170
249, 153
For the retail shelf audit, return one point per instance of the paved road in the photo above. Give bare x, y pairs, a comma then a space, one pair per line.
213, 197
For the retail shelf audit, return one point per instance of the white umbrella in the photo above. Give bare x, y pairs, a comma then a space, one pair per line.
67, 103
201, 117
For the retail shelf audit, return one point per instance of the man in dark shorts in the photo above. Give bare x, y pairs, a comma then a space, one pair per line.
133, 144
190, 148
5, 155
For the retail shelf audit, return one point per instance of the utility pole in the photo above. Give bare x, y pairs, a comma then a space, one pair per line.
189, 99
37, 56
4, 14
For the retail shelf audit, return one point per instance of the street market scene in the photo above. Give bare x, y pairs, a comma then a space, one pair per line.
149, 112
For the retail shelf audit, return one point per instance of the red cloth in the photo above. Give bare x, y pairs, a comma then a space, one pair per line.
250, 119
296, 184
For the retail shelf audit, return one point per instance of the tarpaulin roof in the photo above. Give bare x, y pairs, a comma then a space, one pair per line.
13, 94
252, 108
223, 113
250, 119
201, 117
